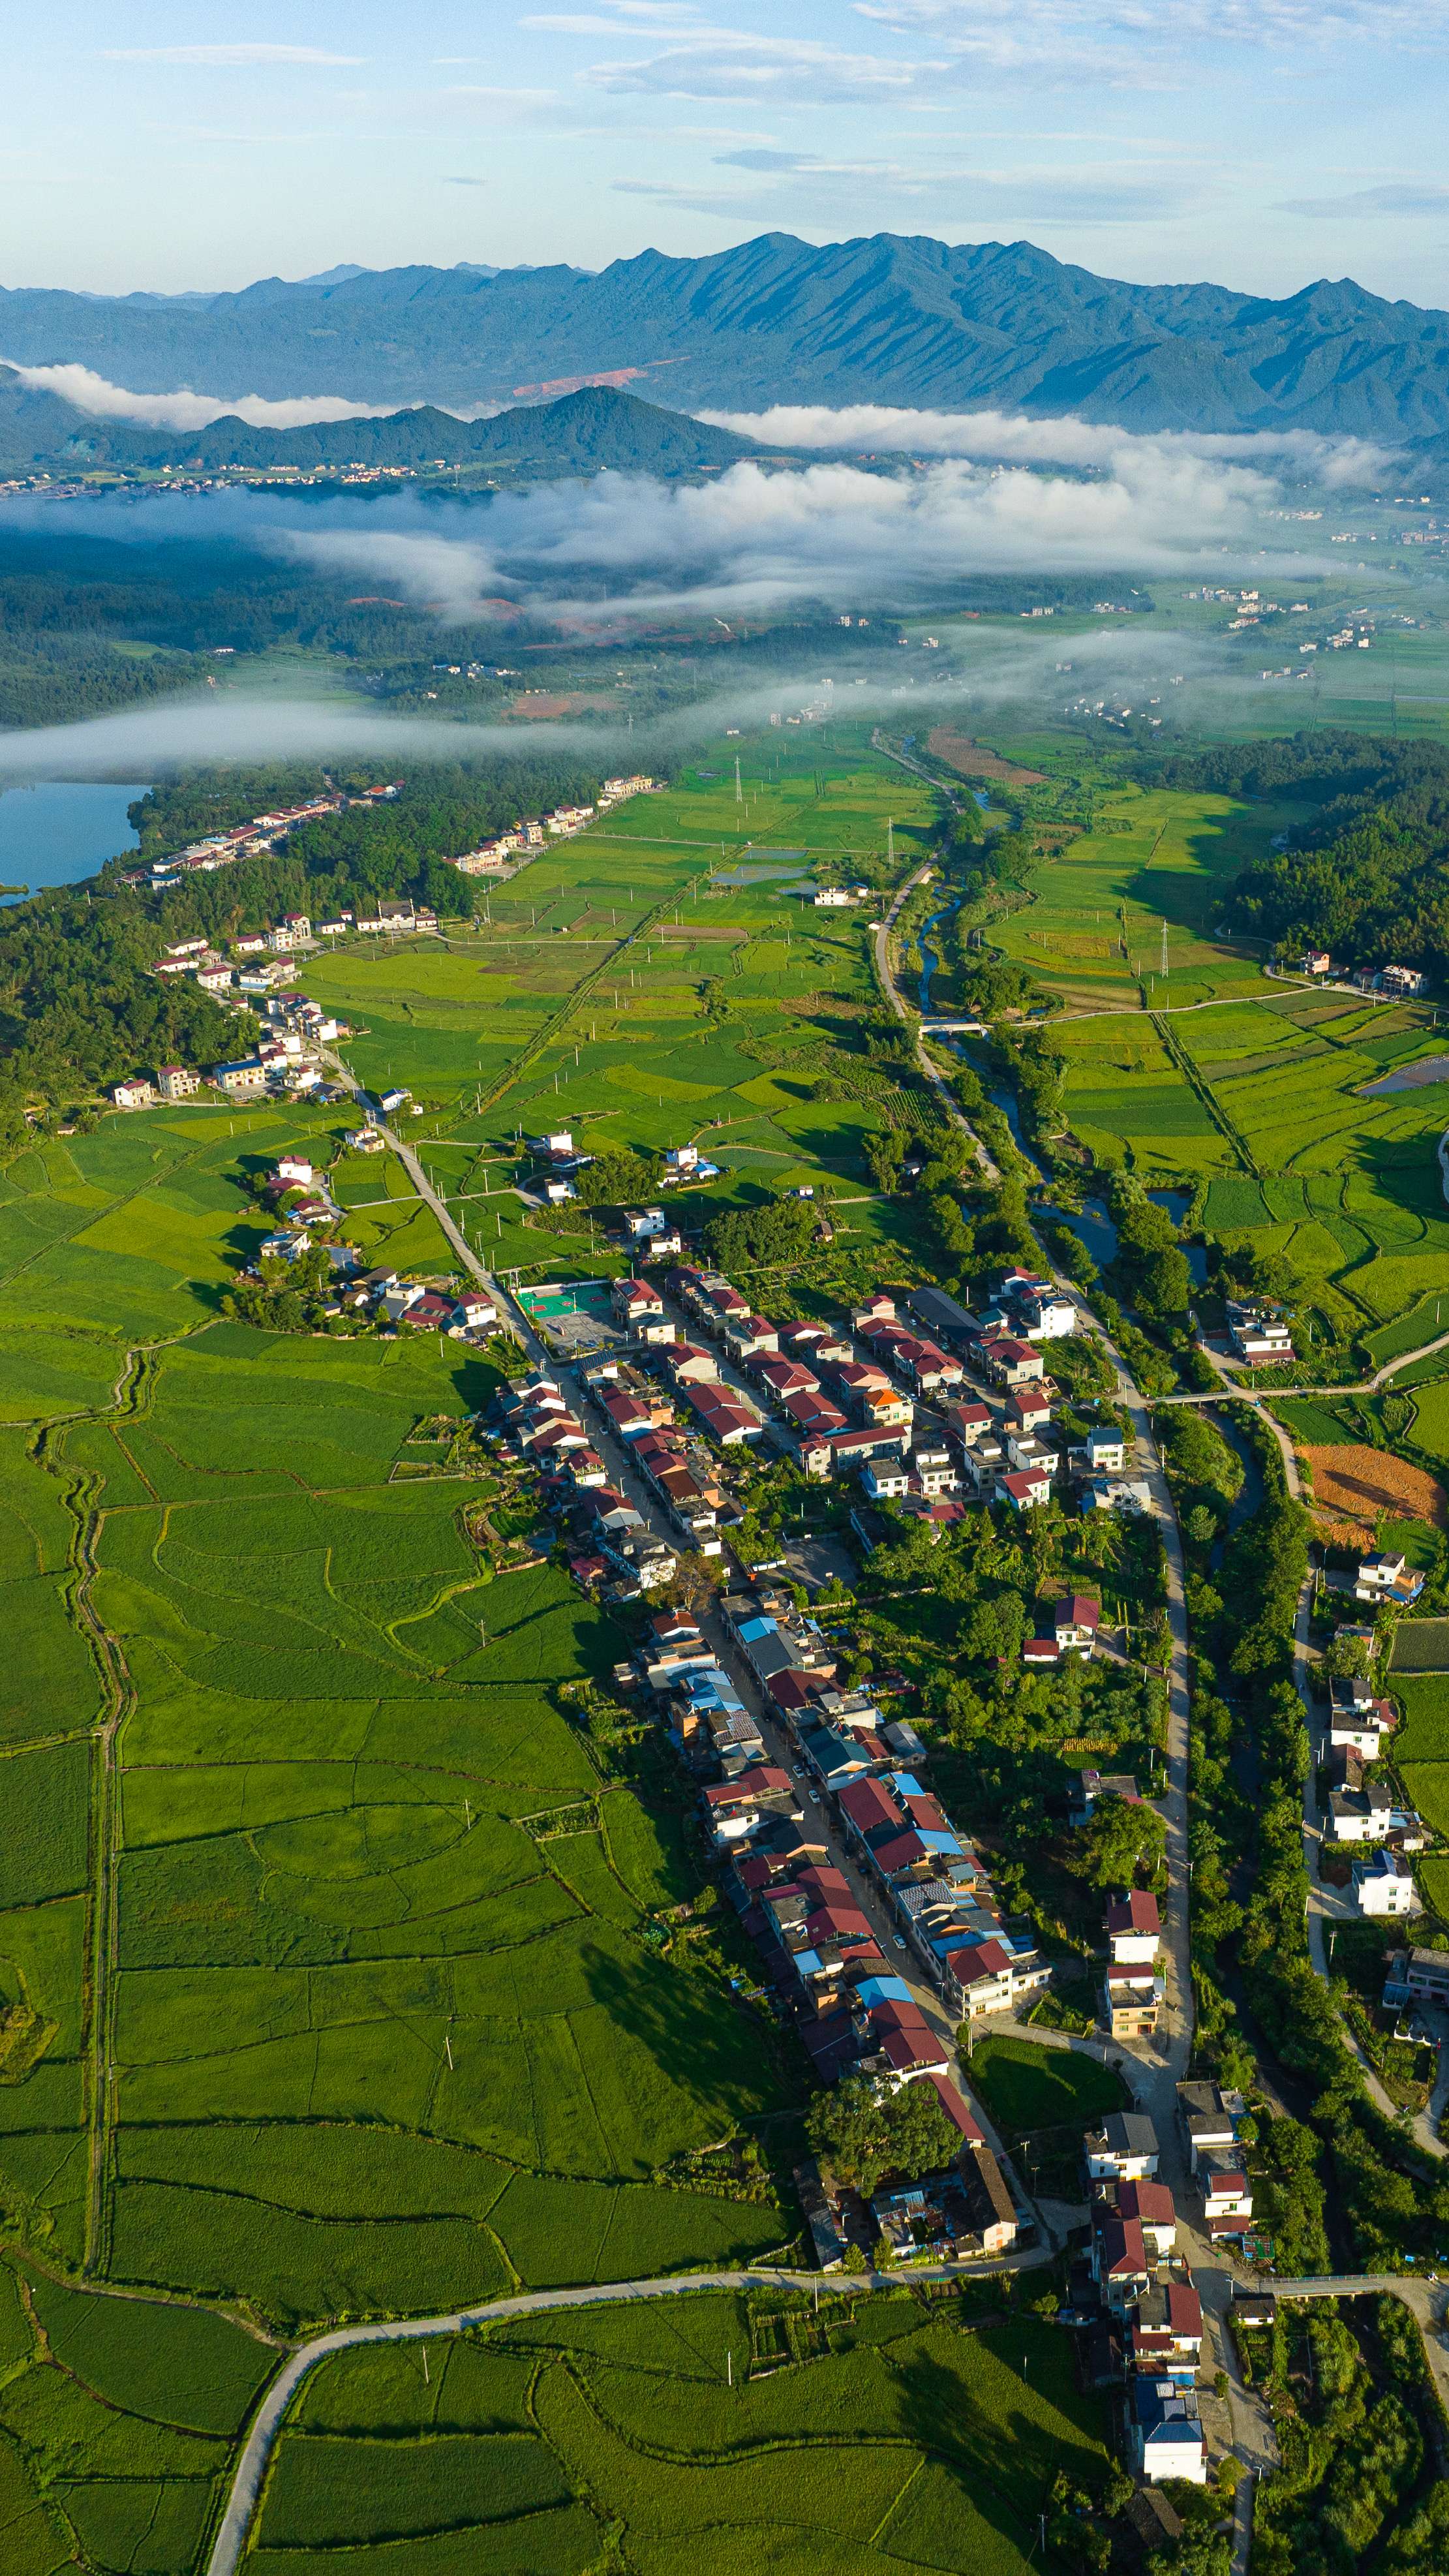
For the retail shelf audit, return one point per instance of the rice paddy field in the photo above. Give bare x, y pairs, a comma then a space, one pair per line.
663, 976
1094, 930
712, 2432
328, 1931
345, 1992
1268, 1094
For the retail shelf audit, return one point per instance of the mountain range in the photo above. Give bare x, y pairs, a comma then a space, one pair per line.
883, 319
582, 433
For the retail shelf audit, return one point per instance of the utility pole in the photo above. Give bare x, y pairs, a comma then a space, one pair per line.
1164, 948
739, 791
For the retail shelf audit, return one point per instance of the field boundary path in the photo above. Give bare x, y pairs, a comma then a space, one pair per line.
1232, 1387
266, 2424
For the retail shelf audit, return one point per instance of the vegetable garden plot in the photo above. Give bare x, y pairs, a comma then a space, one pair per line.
1421, 1646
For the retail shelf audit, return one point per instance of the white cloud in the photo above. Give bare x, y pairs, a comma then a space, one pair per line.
1395, 197
989, 27
989, 436
755, 540
812, 190
624, 18
186, 410
230, 57
719, 62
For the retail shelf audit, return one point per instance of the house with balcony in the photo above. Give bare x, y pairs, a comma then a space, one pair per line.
1386, 1575
1166, 2333
1135, 1989
1358, 1719
1120, 2264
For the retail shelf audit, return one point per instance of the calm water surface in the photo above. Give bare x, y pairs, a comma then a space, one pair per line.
56, 834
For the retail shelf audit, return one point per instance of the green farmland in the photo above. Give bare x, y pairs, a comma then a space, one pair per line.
356, 1973
336, 1938
896, 2439
1263, 1093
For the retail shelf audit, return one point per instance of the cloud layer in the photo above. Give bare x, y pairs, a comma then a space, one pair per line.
620, 548
183, 409
886, 430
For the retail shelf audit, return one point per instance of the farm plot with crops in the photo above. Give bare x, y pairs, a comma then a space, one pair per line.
322, 2014
1093, 932
895, 2439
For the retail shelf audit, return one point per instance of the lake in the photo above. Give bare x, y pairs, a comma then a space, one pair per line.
57, 833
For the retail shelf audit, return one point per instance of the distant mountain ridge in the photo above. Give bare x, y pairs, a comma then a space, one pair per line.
882, 319
583, 433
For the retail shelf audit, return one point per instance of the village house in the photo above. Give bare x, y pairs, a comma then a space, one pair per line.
1009, 1362
1134, 1991
1165, 2437
1153, 2207
1387, 1576
247, 1074
1418, 1977
1209, 2116
1124, 2149
1384, 1886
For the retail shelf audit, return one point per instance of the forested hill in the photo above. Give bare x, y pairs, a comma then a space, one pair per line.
888, 318
1366, 875
583, 433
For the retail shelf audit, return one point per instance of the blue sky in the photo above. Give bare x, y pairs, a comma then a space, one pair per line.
1259, 142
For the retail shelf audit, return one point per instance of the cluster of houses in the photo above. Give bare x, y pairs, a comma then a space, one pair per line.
964, 2208
848, 1402
1400, 983
286, 1061
492, 858
614, 1549
252, 840
646, 1229
1364, 1811
884, 1402
848, 1764
307, 1213
1148, 2330
262, 959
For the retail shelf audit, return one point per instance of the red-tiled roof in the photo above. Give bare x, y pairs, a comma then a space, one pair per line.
868, 1804
1135, 1913
907, 2048
1123, 2249
759, 1781
904, 1851
956, 2110
1151, 2202
983, 1959
1184, 2309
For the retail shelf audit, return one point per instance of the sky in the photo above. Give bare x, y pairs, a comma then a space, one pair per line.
1261, 143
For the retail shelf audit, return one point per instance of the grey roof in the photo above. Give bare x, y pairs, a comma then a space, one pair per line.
939, 1313
1130, 2133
